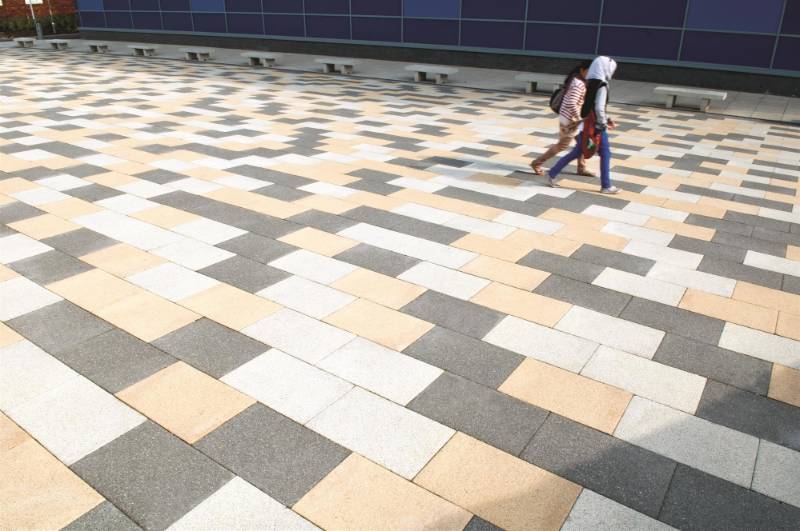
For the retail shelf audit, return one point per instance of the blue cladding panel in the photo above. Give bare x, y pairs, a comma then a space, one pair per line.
645, 12
791, 18
177, 21
431, 8
431, 31
284, 25
93, 19
506, 35
119, 19
213, 6
495, 9
243, 6
331, 27
735, 15
723, 48
650, 43
283, 6
561, 38
377, 7
564, 10
209, 22
332, 7
146, 20
144, 5
116, 5
377, 29
787, 56
247, 24
175, 5
90, 5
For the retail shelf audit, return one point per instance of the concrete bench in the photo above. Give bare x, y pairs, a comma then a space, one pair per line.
261, 58
197, 54
58, 44
540, 82
705, 96
143, 50
329, 64
98, 47
441, 72
24, 42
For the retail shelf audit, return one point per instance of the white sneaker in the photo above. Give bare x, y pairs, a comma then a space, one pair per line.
609, 190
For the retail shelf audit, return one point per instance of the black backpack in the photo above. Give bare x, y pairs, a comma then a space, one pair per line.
556, 99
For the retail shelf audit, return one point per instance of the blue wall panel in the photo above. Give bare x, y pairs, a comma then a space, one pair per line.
564, 10
787, 56
561, 38
730, 49
90, 5
650, 43
177, 21
645, 12
735, 15
93, 19
330, 7
791, 18
496, 9
431, 8
431, 31
390, 8
479, 34
175, 5
245, 24
147, 20
328, 27
119, 19
284, 25
283, 6
211, 6
377, 29
209, 22
116, 5
243, 6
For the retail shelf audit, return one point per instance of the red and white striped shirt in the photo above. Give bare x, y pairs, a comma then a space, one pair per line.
573, 100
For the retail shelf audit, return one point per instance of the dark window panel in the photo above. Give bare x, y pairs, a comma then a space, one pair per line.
735, 15
284, 25
146, 20
118, 19
116, 5
377, 7
640, 42
209, 22
175, 5
332, 27
90, 5
561, 38
507, 35
93, 19
430, 31
787, 56
211, 6
377, 29
145, 5
283, 6
431, 8
248, 24
723, 48
177, 21
645, 12
791, 18
496, 9
329, 7
243, 6
564, 10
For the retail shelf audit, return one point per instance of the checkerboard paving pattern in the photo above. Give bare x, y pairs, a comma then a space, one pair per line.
238, 299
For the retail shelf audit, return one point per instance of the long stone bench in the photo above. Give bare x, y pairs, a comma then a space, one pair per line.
261, 58
705, 96
441, 72
540, 82
197, 54
58, 44
98, 47
143, 50
25, 42
329, 64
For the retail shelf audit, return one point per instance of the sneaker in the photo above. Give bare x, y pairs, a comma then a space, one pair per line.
551, 182
609, 190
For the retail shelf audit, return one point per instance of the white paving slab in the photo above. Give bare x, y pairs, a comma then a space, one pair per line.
712, 448
144, 189
287, 385
689, 278
633, 232
323, 188
660, 383
639, 286
772, 263
425, 213
444, 280
495, 231
659, 253
611, 331
208, 231
241, 182
382, 431
18, 247
598, 513
192, 254
383, 371
126, 203
671, 194
613, 214
523, 221
63, 182
19, 296
39, 196
28, 372
778, 473
313, 266
306, 296
761, 345
171, 281
128, 230
190, 184
656, 212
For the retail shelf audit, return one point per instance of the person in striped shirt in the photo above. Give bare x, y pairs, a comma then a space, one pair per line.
569, 119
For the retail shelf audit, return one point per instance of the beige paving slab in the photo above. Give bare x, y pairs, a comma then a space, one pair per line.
732, 310
518, 276
784, 385
319, 241
382, 325
521, 303
147, 316
230, 306
43, 226
123, 260
382, 289
94, 289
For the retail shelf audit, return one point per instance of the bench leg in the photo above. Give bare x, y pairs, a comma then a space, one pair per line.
269, 63
137, 52
93, 49
441, 79
704, 104
347, 69
671, 101
329, 68
419, 77
254, 61
530, 87
102, 49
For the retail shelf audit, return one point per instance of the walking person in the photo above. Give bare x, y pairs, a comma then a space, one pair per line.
596, 123
569, 119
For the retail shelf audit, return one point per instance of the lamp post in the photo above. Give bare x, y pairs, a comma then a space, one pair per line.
52, 20
39, 33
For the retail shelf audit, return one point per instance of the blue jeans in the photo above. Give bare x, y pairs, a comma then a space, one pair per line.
605, 160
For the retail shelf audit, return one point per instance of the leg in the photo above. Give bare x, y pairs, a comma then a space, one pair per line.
566, 159
605, 161
565, 134
705, 104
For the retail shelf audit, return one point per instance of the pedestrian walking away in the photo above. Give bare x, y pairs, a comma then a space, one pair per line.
569, 119
596, 124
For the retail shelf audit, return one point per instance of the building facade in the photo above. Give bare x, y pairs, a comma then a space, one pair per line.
21, 8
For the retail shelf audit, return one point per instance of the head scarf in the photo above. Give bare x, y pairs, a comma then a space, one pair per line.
602, 68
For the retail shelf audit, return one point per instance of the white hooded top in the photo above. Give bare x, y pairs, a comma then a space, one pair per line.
602, 68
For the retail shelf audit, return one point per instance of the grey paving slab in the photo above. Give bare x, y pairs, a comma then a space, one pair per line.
104, 517
751, 243
763, 417
736, 271
256, 247
115, 360
791, 284
59, 326
151, 475
379, 260
491, 416
94, 192
405, 224
160, 176
323, 221
776, 236
479, 524
462, 316
589, 296
17, 212
211, 347
709, 249
676, 320
618, 470
49, 267
284, 193
79, 242
277, 455
723, 365
731, 225
608, 258
244, 273
564, 266
758, 221
700, 501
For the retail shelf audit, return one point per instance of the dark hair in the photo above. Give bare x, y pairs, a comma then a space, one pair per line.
584, 65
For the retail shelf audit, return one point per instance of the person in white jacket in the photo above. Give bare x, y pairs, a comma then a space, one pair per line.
600, 73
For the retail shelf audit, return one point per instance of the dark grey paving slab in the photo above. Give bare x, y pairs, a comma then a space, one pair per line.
608, 258
479, 524
245, 273
757, 221
676, 320
561, 265
595, 298
104, 517
59, 326
277, 455
49, 267
211, 347
94, 192
323, 221
749, 413
17, 212
618, 470
719, 364
471, 358
700, 501
411, 226
284, 193
493, 417
512, 205
256, 247
791, 284
751, 243
379, 260
6, 231
736, 271
160, 176
732, 226
151, 475
776, 236
80, 242
714, 250
115, 360
462, 316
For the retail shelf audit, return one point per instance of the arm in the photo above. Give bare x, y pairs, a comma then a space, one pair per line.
573, 99
600, 107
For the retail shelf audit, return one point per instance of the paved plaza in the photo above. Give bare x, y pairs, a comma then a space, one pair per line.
239, 299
